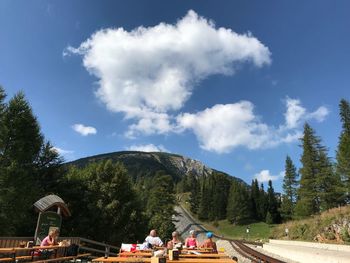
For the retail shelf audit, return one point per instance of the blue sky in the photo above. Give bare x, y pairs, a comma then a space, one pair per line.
229, 83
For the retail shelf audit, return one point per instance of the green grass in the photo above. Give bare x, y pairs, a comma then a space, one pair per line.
258, 230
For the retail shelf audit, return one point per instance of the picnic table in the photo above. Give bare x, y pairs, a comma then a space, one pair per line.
148, 260
181, 255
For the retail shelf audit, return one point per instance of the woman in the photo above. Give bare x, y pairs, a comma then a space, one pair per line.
209, 243
51, 239
175, 242
191, 241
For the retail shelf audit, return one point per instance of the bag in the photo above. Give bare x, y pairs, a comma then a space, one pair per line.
72, 250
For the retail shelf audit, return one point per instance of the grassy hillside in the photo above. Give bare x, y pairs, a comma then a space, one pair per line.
257, 231
331, 227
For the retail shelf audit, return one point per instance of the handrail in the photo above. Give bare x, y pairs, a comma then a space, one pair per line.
96, 242
84, 244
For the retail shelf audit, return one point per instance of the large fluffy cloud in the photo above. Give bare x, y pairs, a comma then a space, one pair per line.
224, 127
149, 72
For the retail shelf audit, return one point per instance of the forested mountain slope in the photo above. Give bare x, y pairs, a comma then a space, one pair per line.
141, 164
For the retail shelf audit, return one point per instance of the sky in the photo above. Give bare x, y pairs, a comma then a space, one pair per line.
228, 83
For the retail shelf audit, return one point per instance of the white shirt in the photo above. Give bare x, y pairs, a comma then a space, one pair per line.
154, 241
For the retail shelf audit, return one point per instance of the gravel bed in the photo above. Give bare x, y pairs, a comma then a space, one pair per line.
229, 250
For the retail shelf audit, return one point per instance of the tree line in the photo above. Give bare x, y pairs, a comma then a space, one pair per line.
218, 196
323, 184
107, 204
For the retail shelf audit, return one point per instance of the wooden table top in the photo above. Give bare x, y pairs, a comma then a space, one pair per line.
147, 260
13, 249
182, 255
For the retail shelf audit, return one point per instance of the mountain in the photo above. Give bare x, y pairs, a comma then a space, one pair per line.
141, 164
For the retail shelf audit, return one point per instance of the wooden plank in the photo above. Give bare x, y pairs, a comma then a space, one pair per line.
147, 260
182, 255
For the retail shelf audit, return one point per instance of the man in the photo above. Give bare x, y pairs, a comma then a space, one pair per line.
153, 240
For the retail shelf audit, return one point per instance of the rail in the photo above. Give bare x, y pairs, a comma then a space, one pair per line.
239, 246
253, 255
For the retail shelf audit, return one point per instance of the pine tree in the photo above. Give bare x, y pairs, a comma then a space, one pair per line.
205, 198
329, 185
343, 151
194, 193
104, 190
255, 199
308, 202
239, 206
290, 190
160, 205
272, 206
263, 203
22, 152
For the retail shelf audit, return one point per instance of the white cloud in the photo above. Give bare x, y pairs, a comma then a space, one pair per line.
147, 148
62, 151
320, 114
296, 113
150, 72
265, 176
224, 127
84, 130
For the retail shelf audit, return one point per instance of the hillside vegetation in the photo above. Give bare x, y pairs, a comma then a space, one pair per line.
258, 231
331, 226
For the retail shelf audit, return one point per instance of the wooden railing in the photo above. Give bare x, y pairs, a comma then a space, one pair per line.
94, 247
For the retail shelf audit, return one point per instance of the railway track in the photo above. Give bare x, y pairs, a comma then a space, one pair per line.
251, 254
239, 245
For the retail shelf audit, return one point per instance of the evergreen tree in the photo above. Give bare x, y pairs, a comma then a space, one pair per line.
329, 186
160, 205
195, 192
21, 145
273, 215
290, 184
308, 202
255, 199
238, 207
343, 151
205, 198
23, 160
104, 191
262, 203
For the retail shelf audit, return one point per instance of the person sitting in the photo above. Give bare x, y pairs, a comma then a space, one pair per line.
191, 241
175, 242
209, 243
153, 240
51, 239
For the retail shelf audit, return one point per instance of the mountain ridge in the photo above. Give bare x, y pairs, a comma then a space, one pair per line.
143, 163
